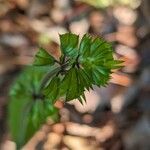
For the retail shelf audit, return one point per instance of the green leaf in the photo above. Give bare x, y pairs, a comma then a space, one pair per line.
96, 59
26, 110
73, 85
52, 90
69, 85
51, 110
85, 79
42, 58
69, 44
82, 98
72, 91
85, 44
114, 64
36, 113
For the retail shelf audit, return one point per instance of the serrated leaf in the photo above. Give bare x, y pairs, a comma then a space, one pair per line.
69, 44
114, 64
85, 79
85, 44
97, 60
82, 98
74, 84
42, 58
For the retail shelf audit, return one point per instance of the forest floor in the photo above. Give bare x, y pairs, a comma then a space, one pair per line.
116, 117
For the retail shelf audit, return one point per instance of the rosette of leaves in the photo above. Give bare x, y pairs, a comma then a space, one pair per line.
28, 108
34, 93
81, 66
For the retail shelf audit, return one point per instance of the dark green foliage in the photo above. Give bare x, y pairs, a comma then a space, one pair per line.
52, 90
89, 63
43, 58
28, 109
34, 93
69, 44
97, 59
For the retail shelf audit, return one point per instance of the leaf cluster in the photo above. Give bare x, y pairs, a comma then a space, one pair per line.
88, 63
81, 65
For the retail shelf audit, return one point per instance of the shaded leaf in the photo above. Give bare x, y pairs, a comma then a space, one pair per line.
26, 111
42, 58
52, 90
69, 86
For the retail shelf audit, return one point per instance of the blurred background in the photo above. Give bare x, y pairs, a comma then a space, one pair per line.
116, 117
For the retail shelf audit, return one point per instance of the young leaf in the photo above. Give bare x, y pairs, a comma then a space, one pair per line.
96, 58
85, 44
69, 44
42, 58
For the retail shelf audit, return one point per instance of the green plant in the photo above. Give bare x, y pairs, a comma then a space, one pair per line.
33, 94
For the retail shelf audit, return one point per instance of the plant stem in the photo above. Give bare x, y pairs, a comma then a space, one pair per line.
57, 62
